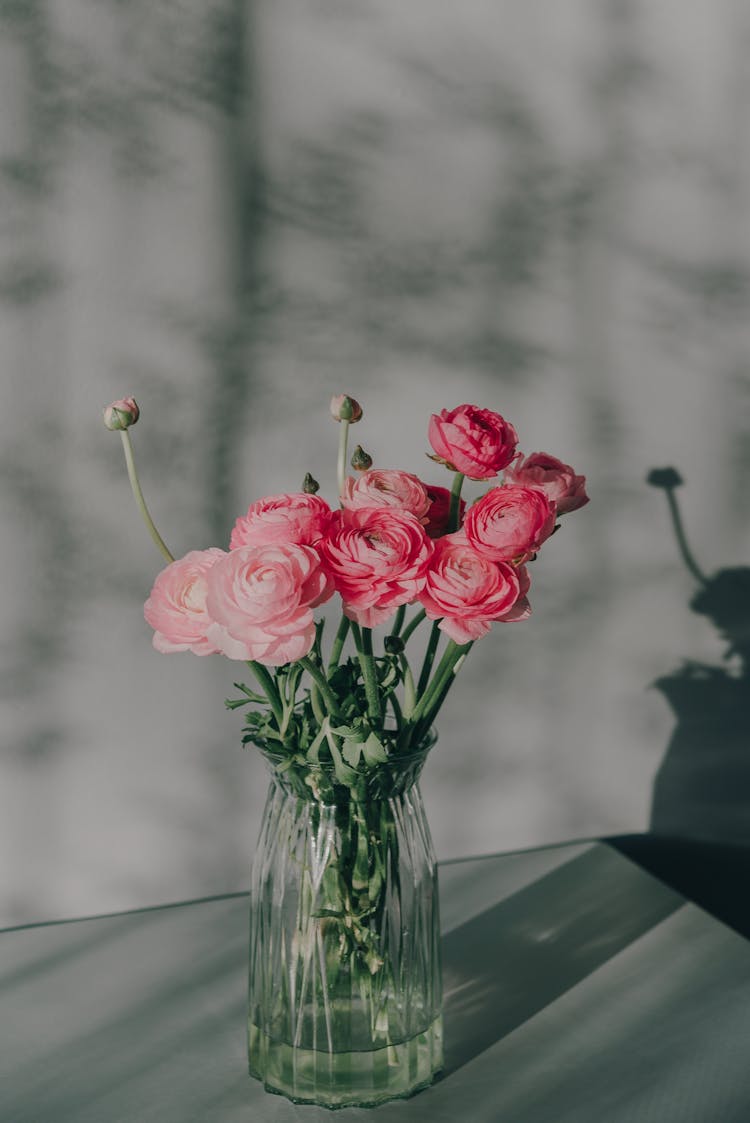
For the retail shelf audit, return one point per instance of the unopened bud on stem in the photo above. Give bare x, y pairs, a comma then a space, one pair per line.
344, 408
121, 414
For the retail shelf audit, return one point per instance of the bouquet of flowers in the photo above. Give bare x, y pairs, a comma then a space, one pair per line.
345, 727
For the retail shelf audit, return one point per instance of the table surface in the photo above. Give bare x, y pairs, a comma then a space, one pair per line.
578, 988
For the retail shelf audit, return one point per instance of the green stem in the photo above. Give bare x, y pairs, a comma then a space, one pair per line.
446, 665
363, 641
321, 682
439, 697
138, 496
429, 658
270, 689
413, 624
399, 620
338, 644
315, 703
341, 462
410, 695
455, 504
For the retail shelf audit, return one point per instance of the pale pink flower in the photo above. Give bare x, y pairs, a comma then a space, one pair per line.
261, 599
473, 441
176, 608
377, 558
295, 517
546, 473
437, 516
467, 591
510, 523
386, 487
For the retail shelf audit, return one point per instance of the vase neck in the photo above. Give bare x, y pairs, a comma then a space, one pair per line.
336, 782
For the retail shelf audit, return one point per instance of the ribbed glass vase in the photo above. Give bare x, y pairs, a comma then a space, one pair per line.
345, 985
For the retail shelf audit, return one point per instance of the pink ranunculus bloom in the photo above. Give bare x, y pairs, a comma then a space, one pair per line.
377, 558
261, 599
437, 516
466, 591
510, 523
386, 487
291, 517
546, 473
176, 608
476, 442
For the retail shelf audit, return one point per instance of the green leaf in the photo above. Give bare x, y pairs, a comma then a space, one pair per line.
351, 750
373, 750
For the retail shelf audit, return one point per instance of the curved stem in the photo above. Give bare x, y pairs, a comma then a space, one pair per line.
429, 658
363, 641
138, 496
265, 678
321, 682
413, 625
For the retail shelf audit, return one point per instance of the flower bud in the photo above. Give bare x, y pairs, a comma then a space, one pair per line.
310, 485
344, 408
360, 460
121, 414
393, 645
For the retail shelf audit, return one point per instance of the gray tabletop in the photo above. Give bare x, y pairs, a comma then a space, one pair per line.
577, 988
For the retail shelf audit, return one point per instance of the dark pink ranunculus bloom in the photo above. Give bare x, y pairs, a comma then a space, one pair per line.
260, 599
386, 487
510, 523
437, 516
546, 473
290, 517
473, 441
377, 558
176, 608
467, 592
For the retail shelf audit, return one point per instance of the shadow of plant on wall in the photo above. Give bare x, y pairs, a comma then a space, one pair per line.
702, 787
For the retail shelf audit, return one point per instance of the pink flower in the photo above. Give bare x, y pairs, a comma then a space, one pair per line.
546, 473
377, 558
386, 487
437, 516
297, 517
176, 608
474, 441
467, 591
510, 523
261, 599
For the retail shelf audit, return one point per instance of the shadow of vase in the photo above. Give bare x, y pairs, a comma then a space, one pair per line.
702, 787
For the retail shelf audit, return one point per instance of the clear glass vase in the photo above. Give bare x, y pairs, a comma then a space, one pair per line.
345, 987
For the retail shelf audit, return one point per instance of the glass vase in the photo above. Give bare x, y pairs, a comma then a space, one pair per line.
345, 987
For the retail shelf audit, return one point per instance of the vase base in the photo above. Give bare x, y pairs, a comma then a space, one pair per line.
357, 1079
